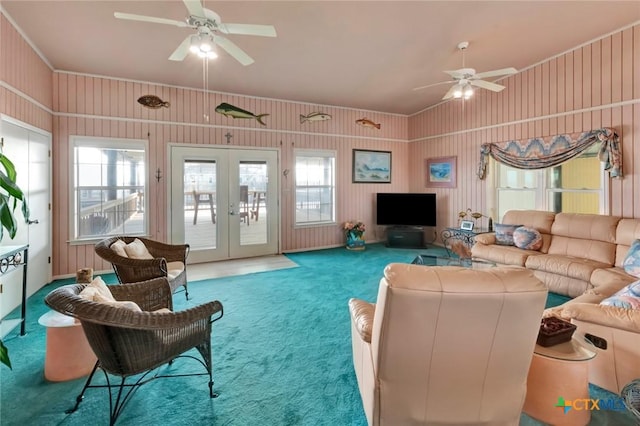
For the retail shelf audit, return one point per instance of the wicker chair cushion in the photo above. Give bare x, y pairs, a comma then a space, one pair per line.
118, 247
174, 269
97, 291
97, 287
137, 250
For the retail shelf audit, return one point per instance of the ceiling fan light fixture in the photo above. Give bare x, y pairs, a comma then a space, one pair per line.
206, 46
458, 91
468, 91
194, 46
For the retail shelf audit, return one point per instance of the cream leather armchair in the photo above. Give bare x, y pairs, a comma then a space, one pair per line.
446, 345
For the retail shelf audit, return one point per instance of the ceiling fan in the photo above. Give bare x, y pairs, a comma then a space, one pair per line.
465, 78
210, 31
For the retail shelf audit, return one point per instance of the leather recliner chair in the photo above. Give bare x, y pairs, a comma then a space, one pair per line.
446, 345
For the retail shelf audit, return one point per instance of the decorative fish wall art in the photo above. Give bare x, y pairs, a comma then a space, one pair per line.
365, 122
315, 116
153, 102
229, 110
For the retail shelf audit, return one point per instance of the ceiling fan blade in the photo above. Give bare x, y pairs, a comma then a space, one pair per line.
233, 50
495, 73
182, 51
249, 29
434, 84
449, 94
455, 74
132, 17
195, 8
487, 85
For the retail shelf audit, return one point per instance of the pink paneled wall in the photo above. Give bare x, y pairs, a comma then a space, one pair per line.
95, 106
593, 86
24, 71
596, 85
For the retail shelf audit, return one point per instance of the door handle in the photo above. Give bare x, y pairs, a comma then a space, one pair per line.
33, 222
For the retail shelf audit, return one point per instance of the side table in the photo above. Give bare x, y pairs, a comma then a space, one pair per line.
68, 354
11, 259
465, 236
559, 375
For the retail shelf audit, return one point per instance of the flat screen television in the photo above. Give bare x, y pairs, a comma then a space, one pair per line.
403, 209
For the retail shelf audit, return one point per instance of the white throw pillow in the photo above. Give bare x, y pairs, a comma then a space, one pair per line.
124, 304
97, 289
118, 247
137, 250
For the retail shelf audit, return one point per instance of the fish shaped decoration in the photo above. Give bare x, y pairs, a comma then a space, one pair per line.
235, 112
153, 102
365, 122
314, 116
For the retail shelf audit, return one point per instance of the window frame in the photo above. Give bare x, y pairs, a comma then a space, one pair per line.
301, 152
110, 143
543, 190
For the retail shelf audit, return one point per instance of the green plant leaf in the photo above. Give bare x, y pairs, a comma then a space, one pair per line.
9, 167
10, 186
7, 220
4, 355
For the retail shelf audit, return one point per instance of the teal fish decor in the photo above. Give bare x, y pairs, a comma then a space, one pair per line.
235, 112
315, 116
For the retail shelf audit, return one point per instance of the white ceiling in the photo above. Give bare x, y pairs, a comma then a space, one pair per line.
360, 54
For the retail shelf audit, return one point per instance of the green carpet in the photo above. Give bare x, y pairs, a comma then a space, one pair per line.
281, 353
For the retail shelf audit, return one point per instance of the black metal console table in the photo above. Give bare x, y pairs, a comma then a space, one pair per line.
464, 235
11, 258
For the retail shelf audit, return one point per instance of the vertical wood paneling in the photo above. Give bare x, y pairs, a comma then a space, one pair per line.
601, 73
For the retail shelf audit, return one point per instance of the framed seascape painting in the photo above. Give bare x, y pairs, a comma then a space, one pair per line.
371, 166
440, 172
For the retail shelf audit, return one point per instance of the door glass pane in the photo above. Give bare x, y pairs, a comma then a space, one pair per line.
253, 202
200, 208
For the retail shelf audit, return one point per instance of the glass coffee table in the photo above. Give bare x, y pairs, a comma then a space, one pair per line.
431, 260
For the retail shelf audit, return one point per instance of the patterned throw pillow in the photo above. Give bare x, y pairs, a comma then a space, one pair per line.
627, 298
504, 234
527, 238
631, 263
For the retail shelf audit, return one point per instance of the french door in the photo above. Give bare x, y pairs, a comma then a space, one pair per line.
224, 202
29, 149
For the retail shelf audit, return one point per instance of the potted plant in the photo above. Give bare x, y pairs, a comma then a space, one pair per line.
354, 232
10, 196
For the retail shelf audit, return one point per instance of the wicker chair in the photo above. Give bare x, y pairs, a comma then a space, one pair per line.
130, 270
129, 343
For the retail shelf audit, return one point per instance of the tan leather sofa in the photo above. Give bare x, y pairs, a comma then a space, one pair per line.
582, 257
446, 345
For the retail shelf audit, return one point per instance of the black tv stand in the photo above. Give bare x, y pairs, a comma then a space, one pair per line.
405, 237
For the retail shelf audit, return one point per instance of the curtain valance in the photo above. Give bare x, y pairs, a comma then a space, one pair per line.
540, 153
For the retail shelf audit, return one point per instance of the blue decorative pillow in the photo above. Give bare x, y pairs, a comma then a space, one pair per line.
504, 234
527, 238
627, 298
631, 263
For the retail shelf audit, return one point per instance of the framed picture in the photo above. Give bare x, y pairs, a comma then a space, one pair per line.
440, 172
466, 225
371, 166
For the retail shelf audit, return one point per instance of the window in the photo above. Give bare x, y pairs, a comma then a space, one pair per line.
108, 188
576, 186
315, 187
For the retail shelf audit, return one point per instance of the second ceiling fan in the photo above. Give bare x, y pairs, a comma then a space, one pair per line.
467, 78
210, 31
